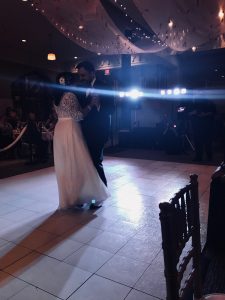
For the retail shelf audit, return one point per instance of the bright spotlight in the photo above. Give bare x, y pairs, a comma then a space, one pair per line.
135, 94
173, 91
176, 91
183, 91
121, 94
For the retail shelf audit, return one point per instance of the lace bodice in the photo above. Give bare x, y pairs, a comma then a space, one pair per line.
69, 107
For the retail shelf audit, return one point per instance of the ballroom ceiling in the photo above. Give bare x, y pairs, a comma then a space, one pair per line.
18, 21
90, 28
138, 26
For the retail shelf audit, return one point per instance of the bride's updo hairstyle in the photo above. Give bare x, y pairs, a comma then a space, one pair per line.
63, 79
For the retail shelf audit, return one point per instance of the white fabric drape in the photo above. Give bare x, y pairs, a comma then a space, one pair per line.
99, 34
196, 23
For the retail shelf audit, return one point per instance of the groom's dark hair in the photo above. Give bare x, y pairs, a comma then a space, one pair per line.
87, 65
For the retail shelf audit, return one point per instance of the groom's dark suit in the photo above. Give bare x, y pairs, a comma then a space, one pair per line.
96, 126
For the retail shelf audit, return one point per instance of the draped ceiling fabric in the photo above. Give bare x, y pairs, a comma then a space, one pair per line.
195, 24
99, 34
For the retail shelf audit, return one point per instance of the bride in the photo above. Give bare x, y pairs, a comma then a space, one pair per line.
77, 179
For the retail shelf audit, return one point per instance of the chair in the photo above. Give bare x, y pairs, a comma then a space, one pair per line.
179, 225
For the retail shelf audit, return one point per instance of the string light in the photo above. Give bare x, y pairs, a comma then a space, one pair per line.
138, 33
134, 36
119, 45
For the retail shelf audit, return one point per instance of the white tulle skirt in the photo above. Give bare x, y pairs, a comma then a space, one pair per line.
77, 178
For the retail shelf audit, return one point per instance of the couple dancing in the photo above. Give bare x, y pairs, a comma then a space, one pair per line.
80, 134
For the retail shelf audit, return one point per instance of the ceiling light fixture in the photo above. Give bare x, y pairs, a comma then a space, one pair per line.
24, 41
51, 56
81, 27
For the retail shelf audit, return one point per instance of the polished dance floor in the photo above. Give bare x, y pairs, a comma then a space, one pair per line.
112, 253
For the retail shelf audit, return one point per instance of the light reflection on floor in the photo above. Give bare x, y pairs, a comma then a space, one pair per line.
113, 253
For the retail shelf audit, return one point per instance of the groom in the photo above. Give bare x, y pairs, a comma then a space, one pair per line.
96, 125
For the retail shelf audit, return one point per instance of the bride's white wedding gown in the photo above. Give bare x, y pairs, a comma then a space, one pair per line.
77, 178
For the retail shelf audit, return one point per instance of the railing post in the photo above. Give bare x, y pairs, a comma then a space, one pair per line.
168, 251
196, 237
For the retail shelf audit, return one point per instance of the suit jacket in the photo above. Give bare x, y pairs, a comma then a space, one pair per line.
96, 125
